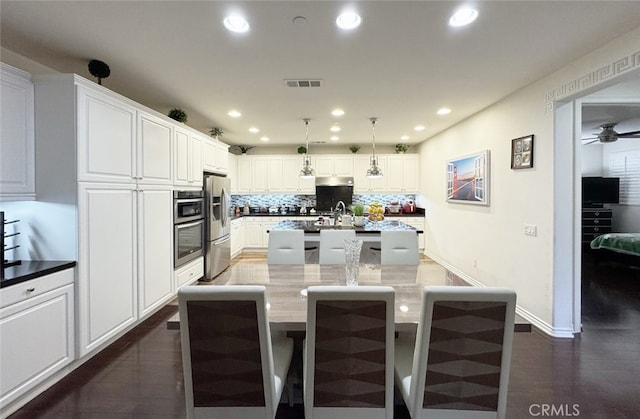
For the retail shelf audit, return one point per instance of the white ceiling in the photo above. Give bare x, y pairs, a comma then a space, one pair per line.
401, 65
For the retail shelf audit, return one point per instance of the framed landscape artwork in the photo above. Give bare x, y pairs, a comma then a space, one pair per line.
522, 152
468, 179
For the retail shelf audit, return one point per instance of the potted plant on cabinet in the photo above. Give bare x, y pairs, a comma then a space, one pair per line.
401, 148
354, 148
358, 214
178, 114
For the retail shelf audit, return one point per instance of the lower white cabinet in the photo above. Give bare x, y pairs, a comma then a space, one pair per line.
256, 231
125, 258
189, 273
417, 222
37, 332
238, 230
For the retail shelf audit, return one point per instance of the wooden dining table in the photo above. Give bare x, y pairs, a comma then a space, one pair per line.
286, 289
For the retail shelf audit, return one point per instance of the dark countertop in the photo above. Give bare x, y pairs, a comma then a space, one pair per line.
316, 215
31, 269
371, 227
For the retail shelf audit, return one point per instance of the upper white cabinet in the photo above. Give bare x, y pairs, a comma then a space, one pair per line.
363, 184
245, 174
233, 173
187, 169
402, 173
106, 129
334, 165
154, 151
291, 180
215, 156
17, 155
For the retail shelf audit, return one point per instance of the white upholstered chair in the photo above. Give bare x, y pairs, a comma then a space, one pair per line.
332, 246
233, 366
348, 355
286, 247
458, 366
399, 247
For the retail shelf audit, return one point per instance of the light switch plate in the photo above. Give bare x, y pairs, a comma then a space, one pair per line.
530, 230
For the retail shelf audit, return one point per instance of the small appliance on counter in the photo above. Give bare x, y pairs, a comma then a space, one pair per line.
394, 207
409, 207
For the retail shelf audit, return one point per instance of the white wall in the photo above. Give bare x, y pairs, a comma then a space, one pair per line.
486, 244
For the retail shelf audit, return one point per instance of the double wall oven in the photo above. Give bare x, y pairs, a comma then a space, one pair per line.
188, 226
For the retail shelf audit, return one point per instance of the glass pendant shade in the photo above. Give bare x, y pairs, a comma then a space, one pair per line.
307, 171
374, 171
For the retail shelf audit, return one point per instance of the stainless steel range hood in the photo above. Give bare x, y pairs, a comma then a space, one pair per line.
334, 181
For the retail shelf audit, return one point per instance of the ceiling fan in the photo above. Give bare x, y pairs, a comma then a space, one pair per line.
609, 135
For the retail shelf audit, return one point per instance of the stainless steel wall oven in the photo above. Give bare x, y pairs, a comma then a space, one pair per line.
188, 226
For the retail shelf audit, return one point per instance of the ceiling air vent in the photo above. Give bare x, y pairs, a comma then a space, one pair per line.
303, 82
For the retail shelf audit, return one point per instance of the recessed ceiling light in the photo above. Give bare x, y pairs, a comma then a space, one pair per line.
418, 128
348, 20
334, 128
337, 112
444, 111
254, 130
334, 138
405, 137
463, 16
264, 139
234, 114
236, 23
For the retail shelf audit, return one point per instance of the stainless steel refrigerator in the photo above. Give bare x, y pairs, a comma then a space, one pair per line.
218, 225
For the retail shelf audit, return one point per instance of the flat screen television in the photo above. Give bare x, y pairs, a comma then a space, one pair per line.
600, 190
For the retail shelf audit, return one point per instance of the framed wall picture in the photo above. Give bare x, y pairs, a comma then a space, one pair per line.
522, 152
468, 179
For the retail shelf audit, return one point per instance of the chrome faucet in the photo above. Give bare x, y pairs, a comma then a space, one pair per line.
338, 211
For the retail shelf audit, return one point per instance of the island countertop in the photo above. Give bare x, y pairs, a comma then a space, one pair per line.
370, 227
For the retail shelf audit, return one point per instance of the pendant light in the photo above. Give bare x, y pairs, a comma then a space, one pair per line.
307, 171
374, 171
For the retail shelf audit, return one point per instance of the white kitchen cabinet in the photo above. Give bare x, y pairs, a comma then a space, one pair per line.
107, 288
233, 173
37, 332
256, 231
155, 249
274, 174
402, 173
155, 150
291, 180
187, 168
106, 133
17, 141
245, 174
363, 184
189, 273
334, 165
215, 156
237, 236
259, 173
417, 222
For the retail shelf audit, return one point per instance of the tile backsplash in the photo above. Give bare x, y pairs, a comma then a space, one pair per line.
266, 200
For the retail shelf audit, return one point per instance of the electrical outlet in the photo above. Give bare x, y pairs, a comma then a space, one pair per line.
475, 263
530, 230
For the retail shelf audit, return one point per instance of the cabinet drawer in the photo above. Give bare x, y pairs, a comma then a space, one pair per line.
190, 273
596, 222
33, 288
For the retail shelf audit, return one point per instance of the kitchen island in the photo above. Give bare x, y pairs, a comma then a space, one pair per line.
369, 232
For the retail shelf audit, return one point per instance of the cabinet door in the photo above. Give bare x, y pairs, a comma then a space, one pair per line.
154, 150
106, 138
107, 262
343, 165
395, 173
37, 341
259, 167
325, 166
221, 158
195, 178
233, 173
380, 184
155, 249
411, 173
17, 160
254, 234
182, 166
274, 174
208, 155
245, 174
361, 183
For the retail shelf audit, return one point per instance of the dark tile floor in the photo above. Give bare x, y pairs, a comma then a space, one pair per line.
594, 376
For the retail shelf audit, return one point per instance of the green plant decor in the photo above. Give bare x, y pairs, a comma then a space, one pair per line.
402, 148
178, 114
354, 148
357, 209
216, 132
302, 150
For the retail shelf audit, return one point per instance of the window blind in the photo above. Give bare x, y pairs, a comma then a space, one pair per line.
626, 166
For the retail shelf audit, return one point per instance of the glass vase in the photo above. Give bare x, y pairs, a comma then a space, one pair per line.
352, 249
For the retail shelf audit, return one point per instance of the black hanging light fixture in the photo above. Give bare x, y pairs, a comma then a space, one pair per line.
374, 171
307, 171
